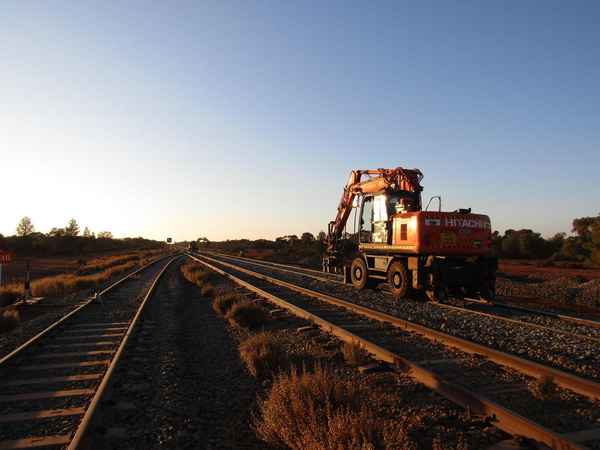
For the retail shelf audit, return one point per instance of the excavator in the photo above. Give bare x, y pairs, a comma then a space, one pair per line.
417, 251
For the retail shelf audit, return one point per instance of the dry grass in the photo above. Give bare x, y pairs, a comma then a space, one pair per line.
263, 355
223, 303
10, 294
354, 354
196, 273
248, 315
9, 319
61, 285
320, 411
207, 290
543, 388
99, 264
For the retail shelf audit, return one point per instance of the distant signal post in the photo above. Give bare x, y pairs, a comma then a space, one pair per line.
5, 258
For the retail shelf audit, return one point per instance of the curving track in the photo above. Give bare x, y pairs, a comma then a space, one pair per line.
449, 365
51, 385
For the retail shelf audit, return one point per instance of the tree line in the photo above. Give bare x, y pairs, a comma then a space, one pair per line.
582, 247
67, 240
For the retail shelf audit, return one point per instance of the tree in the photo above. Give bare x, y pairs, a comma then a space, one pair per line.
307, 237
87, 233
56, 232
321, 236
105, 235
25, 227
72, 228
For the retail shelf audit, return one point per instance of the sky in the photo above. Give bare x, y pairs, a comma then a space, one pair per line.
243, 119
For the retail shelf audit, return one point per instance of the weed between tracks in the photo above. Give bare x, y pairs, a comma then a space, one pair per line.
263, 355
223, 302
10, 294
247, 314
313, 401
354, 354
9, 319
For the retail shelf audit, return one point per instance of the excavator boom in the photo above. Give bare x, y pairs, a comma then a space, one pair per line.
398, 179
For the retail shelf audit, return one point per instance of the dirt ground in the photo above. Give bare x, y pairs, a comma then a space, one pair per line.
530, 269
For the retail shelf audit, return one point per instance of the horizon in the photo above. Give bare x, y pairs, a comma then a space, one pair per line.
238, 120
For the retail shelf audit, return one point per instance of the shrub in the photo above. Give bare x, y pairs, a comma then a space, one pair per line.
207, 290
203, 277
10, 294
190, 271
543, 388
196, 273
263, 355
9, 319
354, 354
223, 303
321, 411
247, 315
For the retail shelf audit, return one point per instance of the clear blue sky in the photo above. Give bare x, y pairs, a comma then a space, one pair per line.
243, 119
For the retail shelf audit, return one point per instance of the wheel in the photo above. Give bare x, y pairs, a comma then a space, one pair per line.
359, 273
399, 279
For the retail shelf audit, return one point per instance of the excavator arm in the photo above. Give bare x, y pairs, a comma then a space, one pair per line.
378, 180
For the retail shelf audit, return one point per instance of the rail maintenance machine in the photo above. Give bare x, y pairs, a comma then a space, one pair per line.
433, 252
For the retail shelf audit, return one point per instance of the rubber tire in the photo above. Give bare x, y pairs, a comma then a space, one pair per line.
399, 279
359, 267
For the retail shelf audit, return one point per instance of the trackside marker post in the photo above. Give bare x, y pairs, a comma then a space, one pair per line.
5, 258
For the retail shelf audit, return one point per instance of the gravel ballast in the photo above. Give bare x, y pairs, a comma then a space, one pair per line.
547, 346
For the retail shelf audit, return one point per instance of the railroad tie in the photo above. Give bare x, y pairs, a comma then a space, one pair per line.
42, 414
101, 362
65, 379
73, 354
591, 434
33, 442
43, 395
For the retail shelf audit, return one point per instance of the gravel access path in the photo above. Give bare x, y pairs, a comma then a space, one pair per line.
181, 383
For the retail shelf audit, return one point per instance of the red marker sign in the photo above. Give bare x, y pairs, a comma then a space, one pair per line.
5, 257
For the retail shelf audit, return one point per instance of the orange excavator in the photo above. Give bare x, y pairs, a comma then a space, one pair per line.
415, 250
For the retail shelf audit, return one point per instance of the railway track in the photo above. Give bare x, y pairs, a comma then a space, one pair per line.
52, 384
569, 346
498, 385
498, 308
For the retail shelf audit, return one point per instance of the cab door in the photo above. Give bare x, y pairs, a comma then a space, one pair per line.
380, 220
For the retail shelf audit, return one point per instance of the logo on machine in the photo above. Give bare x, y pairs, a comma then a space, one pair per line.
466, 223
458, 222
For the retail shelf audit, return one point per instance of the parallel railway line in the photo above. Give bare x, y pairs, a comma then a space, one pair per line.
485, 385
51, 385
585, 330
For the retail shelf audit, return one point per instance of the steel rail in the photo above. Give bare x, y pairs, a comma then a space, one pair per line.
566, 317
46, 330
283, 267
574, 383
91, 409
577, 320
505, 419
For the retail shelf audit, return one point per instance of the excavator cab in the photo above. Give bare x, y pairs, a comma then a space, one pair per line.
376, 213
